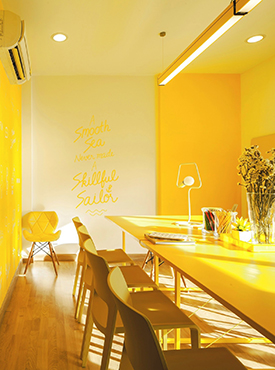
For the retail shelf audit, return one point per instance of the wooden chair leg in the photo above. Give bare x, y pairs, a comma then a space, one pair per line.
57, 259
81, 304
87, 332
52, 255
80, 292
29, 258
76, 278
109, 335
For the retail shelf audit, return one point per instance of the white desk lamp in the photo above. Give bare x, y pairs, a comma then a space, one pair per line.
189, 181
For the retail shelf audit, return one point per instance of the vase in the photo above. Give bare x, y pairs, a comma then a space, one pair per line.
261, 213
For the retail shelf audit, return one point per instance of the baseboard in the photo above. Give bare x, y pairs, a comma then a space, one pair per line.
8, 295
61, 257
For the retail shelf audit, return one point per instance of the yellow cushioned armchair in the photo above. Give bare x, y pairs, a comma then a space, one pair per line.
41, 232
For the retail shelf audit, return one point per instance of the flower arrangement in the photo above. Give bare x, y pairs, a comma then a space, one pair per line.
258, 176
258, 173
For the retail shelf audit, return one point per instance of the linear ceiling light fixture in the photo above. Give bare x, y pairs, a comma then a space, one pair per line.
231, 15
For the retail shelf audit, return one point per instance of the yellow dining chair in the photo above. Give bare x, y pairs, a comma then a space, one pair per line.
134, 275
102, 310
141, 349
42, 233
112, 256
80, 257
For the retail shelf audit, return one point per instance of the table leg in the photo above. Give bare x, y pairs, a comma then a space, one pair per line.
123, 241
177, 302
156, 270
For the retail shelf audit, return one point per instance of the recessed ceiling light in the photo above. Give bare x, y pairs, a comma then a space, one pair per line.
253, 39
59, 37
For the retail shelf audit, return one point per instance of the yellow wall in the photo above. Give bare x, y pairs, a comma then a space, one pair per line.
10, 181
258, 108
199, 121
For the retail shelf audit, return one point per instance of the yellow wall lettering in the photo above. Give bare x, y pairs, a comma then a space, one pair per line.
91, 131
97, 178
89, 201
91, 138
83, 158
93, 144
105, 155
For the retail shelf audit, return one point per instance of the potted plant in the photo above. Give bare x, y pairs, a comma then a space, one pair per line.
241, 229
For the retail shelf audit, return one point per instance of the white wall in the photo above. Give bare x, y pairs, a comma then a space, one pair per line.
68, 113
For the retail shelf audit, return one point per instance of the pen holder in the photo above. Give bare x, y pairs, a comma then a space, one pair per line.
217, 221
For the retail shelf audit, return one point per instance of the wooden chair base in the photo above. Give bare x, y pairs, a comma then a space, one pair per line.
35, 248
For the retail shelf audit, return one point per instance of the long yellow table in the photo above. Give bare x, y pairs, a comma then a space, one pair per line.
242, 281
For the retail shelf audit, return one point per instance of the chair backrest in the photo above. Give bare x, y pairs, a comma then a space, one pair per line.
100, 270
42, 222
83, 235
77, 222
142, 346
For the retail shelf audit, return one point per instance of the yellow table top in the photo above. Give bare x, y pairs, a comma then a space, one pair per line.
243, 281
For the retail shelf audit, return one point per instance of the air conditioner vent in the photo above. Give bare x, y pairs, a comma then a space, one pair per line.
14, 53
17, 63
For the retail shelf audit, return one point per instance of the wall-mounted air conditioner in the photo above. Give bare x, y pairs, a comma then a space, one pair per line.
14, 53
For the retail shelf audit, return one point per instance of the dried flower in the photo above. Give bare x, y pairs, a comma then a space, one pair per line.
257, 173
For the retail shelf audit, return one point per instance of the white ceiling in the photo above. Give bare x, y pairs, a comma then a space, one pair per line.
121, 37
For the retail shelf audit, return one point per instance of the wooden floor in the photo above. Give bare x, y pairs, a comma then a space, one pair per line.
39, 330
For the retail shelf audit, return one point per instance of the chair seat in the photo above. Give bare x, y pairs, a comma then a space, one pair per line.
43, 237
115, 256
160, 310
218, 358
136, 277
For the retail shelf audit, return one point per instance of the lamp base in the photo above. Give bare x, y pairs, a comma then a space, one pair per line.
189, 224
